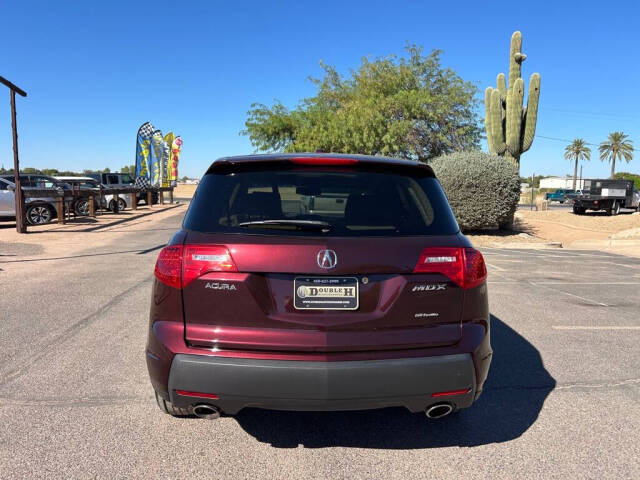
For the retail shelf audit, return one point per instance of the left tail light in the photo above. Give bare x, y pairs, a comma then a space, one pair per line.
178, 265
464, 266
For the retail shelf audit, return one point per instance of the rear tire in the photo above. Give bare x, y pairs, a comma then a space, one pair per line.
82, 207
615, 208
578, 210
167, 407
121, 205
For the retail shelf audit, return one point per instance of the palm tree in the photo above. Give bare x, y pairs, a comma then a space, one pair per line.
578, 150
616, 147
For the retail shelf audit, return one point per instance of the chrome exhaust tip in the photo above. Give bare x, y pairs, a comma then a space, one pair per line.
439, 410
205, 411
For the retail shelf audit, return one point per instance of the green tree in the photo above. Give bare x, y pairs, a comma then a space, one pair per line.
408, 107
616, 147
577, 151
106, 170
130, 169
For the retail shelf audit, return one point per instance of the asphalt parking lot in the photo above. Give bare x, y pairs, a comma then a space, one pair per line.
562, 399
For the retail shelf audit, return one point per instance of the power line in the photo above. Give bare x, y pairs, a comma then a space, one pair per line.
564, 140
596, 114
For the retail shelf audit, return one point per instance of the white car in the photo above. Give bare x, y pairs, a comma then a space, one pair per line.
38, 211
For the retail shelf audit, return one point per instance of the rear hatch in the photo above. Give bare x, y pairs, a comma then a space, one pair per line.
320, 258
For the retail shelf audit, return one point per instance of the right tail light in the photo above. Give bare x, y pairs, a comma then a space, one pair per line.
464, 266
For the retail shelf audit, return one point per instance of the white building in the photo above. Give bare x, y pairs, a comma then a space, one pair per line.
560, 182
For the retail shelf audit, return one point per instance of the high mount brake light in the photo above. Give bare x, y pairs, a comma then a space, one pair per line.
324, 161
464, 266
178, 266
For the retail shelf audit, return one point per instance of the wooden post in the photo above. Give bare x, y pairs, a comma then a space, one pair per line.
161, 197
115, 202
21, 225
149, 199
92, 206
134, 201
60, 205
171, 196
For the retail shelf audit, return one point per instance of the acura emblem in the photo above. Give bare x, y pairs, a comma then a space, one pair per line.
327, 259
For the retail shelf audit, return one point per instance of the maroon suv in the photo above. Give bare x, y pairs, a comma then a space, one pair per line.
318, 282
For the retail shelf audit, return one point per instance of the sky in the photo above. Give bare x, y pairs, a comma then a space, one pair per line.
94, 71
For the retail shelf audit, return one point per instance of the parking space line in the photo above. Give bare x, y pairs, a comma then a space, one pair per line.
570, 294
500, 269
587, 283
595, 327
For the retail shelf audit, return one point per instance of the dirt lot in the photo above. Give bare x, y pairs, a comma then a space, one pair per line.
184, 191
561, 228
54, 240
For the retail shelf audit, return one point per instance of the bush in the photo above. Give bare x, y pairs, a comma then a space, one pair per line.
483, 189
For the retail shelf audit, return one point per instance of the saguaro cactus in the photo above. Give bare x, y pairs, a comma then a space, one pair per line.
510, 127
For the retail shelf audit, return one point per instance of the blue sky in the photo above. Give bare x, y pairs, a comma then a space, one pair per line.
94, 71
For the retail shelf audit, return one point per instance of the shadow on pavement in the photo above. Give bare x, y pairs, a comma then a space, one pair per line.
513, 396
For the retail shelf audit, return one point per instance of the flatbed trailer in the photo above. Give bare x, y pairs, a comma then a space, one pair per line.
608, 195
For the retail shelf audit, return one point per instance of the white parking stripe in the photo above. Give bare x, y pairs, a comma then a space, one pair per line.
599, 327
500, 269
569, 294
587, 283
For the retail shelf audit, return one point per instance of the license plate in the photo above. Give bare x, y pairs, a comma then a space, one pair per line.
325, 293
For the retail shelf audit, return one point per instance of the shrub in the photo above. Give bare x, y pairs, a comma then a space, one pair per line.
483, 189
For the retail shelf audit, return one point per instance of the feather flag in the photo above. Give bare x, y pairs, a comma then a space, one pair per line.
155, 157
142, 150
176, 146
166, 154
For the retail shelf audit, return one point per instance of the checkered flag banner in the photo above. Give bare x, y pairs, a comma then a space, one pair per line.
146, 130
143, 140
142, 183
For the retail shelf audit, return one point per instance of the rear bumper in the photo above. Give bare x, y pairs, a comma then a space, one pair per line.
301, 385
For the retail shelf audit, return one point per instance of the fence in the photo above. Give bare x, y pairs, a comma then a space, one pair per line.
93, 195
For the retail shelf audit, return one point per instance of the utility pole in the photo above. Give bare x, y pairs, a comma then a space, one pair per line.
581, 184
533, 179
21, 227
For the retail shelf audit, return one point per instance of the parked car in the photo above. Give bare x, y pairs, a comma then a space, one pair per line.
81, 205
122, 180
607, 194
37, 210
318, 282
560, 195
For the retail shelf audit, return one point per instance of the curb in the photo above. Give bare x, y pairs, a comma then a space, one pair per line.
530, 246
607, 242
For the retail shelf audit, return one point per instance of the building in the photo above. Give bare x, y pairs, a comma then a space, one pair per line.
560, 182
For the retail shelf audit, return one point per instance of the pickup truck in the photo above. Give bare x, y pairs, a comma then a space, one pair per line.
115, 179
607, 195
560, 195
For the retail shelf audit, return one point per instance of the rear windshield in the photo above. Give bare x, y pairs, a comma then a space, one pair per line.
315, 202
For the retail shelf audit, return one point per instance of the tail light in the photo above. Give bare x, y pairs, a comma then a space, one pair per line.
178, 266
169, 265
464, 266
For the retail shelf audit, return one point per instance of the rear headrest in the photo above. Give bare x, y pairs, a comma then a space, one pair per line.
265, 205
371, 210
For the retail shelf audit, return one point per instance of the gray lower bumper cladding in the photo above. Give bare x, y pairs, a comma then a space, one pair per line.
292, 385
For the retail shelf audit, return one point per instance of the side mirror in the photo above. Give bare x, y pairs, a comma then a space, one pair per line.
11, 187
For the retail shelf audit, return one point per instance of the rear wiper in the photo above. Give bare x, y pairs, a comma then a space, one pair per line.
290, 224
